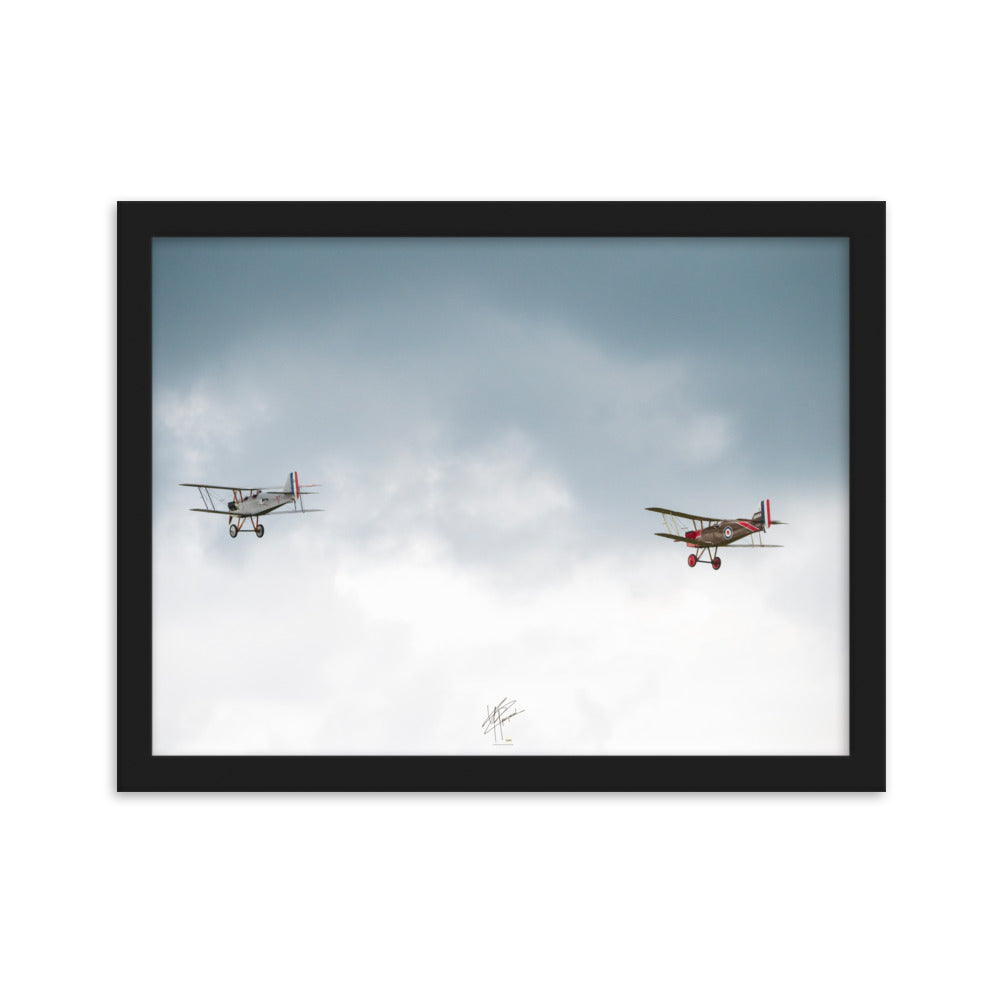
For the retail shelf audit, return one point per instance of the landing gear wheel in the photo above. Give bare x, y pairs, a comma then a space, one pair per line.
692, 560
233, 531
716, 562
260, 530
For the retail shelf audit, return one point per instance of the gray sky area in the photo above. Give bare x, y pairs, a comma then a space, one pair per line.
488, 419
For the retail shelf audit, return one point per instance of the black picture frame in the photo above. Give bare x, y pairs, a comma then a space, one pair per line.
862, 769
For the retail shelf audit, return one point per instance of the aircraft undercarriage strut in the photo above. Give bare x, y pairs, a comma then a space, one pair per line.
255, 526
710, 556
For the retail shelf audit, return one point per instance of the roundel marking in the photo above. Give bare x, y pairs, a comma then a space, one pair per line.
728, 531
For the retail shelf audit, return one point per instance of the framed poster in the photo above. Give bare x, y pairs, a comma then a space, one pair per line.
501, 496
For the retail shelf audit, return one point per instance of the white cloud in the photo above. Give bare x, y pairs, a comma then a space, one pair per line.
188, 423
396, 643
476, 544
708, 438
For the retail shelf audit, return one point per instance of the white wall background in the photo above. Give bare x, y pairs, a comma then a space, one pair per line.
690, 896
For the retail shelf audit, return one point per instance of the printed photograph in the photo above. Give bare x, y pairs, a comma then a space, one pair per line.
500, 496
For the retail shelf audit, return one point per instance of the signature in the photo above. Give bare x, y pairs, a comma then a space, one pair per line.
496, 717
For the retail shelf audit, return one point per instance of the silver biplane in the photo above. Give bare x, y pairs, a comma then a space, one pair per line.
708, 534
252, 503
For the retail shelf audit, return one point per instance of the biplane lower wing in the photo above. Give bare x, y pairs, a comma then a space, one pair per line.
714, 545
263, 513
690, 541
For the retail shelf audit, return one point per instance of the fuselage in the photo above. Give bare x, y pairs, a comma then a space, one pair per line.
725, 532
258, 503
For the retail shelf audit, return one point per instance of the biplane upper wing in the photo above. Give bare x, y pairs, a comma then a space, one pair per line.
687, 517
671, 519
210, 486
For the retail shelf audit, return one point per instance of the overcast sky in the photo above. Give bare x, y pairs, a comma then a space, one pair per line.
488, 419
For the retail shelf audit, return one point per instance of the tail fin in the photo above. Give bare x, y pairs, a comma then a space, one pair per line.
292, 485
765, 515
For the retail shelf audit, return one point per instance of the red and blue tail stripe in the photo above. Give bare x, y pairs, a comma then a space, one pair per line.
765, 513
